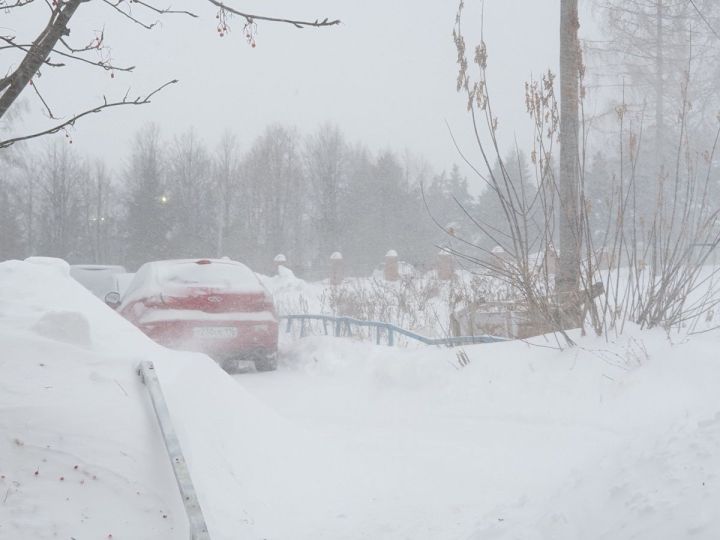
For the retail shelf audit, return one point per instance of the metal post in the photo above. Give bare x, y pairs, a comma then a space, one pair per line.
198, 528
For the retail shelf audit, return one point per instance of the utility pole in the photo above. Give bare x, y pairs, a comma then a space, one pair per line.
567, 281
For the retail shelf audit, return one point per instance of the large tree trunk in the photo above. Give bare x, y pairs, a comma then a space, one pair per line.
568, 275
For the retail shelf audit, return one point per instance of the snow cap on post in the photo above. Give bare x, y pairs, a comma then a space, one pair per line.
279, 260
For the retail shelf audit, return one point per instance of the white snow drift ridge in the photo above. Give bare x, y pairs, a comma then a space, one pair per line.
80, 457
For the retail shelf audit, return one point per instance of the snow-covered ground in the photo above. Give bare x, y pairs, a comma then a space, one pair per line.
350, 440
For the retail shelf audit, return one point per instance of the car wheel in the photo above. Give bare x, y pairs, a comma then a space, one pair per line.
232, 366
266, 364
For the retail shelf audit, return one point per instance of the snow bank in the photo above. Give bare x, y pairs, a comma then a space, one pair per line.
80, 454
609, 440
348, 440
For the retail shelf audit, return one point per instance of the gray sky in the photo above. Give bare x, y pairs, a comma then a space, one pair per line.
386, 76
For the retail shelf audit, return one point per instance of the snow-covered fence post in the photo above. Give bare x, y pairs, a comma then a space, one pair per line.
391, 271
336, 268
279, 260
445, 269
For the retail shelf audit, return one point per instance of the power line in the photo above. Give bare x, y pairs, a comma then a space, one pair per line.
710, 26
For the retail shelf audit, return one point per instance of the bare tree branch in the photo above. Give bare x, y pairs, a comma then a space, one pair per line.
26, 49
163, 11
70, 122
704, 18
42, 99
294, 22
18, 4
127, 15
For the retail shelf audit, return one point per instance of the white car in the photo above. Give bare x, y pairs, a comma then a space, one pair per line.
99, 279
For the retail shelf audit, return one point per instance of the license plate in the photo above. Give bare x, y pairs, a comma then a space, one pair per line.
215, 332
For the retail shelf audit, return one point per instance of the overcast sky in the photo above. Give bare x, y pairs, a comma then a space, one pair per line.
386, 76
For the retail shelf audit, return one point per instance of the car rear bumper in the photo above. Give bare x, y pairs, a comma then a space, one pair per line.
217, 339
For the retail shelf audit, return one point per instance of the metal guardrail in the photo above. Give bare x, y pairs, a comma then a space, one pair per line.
342, 326
198, 528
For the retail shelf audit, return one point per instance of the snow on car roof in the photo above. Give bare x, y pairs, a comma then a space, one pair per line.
207, 273
156, 277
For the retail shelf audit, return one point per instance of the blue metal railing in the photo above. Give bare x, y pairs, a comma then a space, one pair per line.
343, 326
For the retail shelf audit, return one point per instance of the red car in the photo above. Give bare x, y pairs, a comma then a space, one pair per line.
218, 307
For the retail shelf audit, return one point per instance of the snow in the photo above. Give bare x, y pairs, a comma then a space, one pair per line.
60, 265
79, 453
336, 256
609, 440
525, 442
154, 279
391, 253
211, 274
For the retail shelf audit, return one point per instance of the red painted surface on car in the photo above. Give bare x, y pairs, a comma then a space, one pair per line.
220, 319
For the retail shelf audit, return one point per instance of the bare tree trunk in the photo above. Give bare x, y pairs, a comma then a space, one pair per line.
568, 275
659, 87
37, 53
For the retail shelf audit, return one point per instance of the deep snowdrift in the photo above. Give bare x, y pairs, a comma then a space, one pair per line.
349, 440
611, 441
80, 455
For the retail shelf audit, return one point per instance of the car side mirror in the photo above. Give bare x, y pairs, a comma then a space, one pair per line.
112, 299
